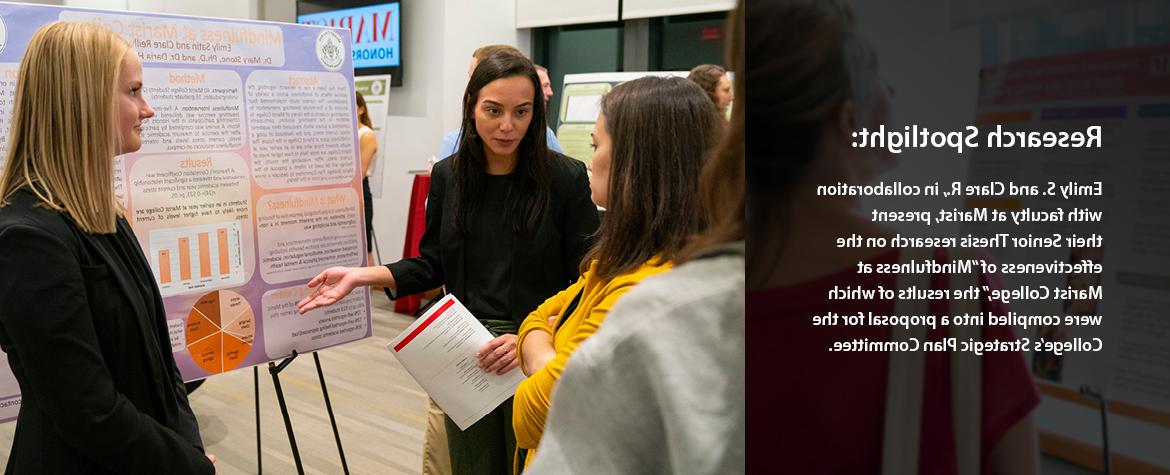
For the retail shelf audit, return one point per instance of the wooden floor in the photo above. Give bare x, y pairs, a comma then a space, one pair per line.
380, 411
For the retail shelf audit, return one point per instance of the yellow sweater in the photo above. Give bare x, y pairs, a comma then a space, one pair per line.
530, 406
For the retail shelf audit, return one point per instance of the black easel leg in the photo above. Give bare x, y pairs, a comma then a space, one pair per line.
292, 440
1105, 437
256, 385
1099, 396
329, 408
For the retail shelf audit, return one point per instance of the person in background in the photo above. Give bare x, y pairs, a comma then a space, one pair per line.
368, 146
649, 142
713, 80
819, 84
545, 83
508, 223
451, 139
81, 318
660, 387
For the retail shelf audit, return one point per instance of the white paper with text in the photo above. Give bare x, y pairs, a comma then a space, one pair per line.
438, 350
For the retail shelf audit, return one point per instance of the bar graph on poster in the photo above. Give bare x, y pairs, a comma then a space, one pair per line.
197, 258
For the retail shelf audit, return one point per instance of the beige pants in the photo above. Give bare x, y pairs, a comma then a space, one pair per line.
436, 457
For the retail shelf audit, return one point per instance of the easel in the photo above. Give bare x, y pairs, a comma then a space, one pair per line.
1100, 457
1098, 396
274, 369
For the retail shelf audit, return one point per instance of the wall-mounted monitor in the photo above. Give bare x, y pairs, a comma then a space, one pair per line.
375, 26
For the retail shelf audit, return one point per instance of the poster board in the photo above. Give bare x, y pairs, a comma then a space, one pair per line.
580, 104
246, 186
1124, 91
375, 90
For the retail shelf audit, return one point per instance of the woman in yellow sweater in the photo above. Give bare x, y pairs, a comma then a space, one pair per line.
649, 142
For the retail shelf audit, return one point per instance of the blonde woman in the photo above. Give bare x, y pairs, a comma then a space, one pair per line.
81, 318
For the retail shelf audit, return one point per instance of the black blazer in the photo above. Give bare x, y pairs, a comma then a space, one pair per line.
544, 260
101, 393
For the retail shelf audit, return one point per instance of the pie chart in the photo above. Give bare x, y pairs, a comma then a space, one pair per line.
220, 331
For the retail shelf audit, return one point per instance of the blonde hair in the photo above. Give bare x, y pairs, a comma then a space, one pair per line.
63, 136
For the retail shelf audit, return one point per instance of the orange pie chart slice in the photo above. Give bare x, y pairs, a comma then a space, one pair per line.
220, 331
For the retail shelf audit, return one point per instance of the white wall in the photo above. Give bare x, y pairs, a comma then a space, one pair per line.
469, 25
413, 128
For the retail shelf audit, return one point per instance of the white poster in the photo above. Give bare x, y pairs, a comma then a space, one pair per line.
376, 91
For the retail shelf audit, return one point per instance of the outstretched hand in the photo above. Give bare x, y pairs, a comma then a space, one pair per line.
330, 286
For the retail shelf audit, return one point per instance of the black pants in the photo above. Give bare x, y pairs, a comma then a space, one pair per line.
368, 204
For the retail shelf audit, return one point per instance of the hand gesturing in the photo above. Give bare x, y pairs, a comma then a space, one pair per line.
330, 286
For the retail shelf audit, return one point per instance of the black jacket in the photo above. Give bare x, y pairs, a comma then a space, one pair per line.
101, 393
544, 260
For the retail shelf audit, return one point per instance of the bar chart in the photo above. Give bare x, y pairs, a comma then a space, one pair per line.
197, 258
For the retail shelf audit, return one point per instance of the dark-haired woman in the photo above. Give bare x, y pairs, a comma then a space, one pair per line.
649, 143
508, 222
713, 79
368, 143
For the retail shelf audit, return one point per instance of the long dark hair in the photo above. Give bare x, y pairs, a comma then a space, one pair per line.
721, 184
364, 118
815, 70
527, 198
661, 128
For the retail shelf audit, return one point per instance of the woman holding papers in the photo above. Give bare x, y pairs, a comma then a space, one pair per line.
81, 318
649, 143
507, 224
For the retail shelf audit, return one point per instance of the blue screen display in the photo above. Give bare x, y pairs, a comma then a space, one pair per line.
375, 32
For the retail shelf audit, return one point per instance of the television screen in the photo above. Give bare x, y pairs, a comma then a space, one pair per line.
375, 27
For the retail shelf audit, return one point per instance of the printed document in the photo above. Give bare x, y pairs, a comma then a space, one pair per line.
438, 350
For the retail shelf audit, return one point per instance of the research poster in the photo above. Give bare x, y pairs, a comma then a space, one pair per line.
246, 186
581, 103
1124, 92
375, 90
